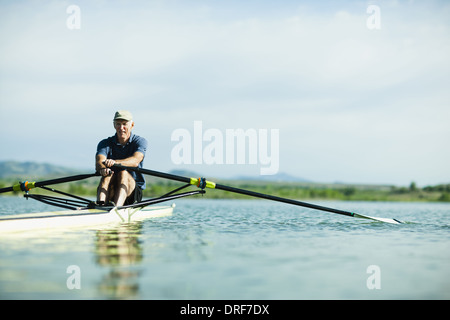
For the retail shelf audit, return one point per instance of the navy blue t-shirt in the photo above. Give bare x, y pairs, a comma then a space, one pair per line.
112, 149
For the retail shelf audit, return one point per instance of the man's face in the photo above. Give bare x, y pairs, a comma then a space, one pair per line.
123, 128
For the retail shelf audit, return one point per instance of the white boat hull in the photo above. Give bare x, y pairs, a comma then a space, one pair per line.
78, 218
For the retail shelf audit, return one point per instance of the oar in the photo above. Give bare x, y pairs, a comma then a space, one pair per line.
202, 183
26, 186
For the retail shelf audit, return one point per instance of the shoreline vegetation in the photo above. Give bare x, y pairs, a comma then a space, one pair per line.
10, 171
292, 190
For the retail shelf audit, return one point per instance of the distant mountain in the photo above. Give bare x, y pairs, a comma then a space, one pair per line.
32, 170
184, 173
27, 170
279, 177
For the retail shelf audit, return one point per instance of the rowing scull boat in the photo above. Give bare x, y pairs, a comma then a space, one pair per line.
82, 212
83, 218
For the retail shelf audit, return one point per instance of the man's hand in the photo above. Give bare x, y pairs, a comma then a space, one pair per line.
109, 163
107, 171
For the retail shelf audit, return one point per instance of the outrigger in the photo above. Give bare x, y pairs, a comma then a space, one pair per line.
87, 212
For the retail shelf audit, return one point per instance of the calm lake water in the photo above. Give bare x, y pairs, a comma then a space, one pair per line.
237, 249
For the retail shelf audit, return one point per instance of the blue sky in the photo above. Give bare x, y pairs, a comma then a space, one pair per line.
351, 104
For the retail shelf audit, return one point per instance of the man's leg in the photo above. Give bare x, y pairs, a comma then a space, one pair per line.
105, 190
125, 187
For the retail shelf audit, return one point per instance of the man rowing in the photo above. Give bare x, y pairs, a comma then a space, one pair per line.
125, 148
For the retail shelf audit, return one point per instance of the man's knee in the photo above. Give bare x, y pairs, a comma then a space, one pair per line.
126, 179
123, 176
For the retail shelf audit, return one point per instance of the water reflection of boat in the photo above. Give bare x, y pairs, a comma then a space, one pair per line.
120, 250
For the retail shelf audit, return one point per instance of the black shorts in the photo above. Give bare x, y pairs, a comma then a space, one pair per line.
135, 196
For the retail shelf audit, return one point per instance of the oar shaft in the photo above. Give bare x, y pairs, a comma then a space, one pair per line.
7, 189
234, 190
65, 179
155, 173
279, 199
25, 186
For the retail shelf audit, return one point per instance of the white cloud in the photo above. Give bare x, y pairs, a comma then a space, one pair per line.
327, 82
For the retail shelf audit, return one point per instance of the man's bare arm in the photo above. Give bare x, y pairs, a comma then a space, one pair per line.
99, 165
